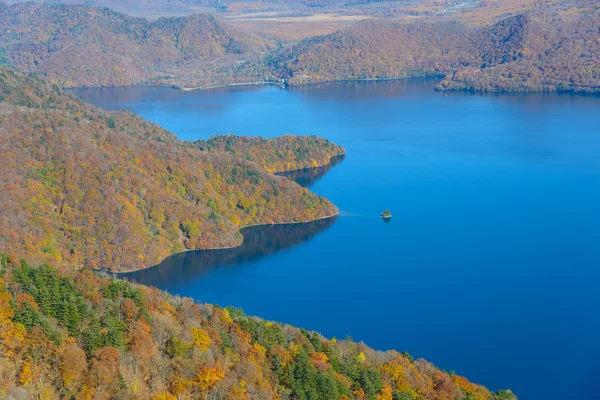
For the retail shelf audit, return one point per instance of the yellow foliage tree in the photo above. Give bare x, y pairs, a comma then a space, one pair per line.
238, 392
208, 377
361, 357
6, 311
472, 390
397, 375
25, 375
201, 338
164, 396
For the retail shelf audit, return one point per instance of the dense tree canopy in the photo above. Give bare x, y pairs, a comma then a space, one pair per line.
542, 50
86, 46
375, 49
539, 51
549, 46
67, 333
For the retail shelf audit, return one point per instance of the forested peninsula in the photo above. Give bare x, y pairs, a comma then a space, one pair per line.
88, 188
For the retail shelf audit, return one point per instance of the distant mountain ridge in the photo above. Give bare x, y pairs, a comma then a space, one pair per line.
134, 7
85, 46
376, 49
551, 48
536, 51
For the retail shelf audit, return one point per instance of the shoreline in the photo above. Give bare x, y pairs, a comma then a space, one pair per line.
129, 271
174, 87
257, 83
354, 80
594, 92
278, 174
331, 159
336, 213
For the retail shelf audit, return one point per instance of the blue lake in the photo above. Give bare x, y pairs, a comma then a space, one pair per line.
490, 266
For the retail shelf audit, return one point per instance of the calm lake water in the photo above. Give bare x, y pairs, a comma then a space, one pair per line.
490, 266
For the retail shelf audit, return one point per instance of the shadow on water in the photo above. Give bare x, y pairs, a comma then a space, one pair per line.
308, 177
259, 242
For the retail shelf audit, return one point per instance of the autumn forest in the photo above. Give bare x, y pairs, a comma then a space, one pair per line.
89, 190
540, 47
88, 194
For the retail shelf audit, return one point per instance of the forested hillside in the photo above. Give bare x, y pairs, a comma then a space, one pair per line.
552, 47
472, 10
538, 51
103, 190
67, 333
85, 46
376, 49
146, 8
542, 50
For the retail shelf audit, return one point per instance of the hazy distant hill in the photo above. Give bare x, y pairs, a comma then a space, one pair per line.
183, 7
84, 46
373, 49
554, 47
473, 10
537, 51
146, 8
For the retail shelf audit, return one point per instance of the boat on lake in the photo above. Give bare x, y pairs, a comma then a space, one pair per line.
386, 215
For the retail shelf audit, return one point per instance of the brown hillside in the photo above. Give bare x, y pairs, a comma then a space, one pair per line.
84, 46
540, 51
548, 49
375, 49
